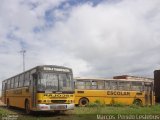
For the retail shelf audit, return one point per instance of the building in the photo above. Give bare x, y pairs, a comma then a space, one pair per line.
157, 85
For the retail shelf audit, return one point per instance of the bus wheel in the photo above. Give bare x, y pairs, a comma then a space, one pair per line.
137, 102
8, 106
27, 107
83, 102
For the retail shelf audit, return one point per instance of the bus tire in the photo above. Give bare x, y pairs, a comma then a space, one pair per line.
83, 102
137, 102
8, 105
27, 107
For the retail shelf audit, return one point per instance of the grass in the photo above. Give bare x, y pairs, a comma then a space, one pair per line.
118, 110
35, 115
85, 113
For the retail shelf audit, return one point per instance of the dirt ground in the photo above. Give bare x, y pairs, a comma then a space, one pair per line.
1, 103
20, 114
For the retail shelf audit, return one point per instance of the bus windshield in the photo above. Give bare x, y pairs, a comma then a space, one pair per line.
49, 82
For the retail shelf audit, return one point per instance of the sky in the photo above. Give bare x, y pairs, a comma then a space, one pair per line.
101, 38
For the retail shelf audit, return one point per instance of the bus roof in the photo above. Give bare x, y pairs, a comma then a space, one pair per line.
110, 79
39, 67
130, 77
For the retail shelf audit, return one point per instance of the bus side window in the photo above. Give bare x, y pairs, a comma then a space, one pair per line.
16, 82
113, 85
21, 79
8, 83
12, 83
125, 85
26, 79
80, 85
94, 85
107, 85
100, 85
137, 86
87, 85
3, 85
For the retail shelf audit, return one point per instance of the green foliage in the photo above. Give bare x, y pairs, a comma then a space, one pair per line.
85, 113
112, 102
92, 105
119, 109
117, 104
96, 103
134, 106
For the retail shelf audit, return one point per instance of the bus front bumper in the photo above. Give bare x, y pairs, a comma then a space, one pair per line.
49, 107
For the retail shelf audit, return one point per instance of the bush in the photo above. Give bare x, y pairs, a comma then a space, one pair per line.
116, 104
96, 103
134, 106
92, 105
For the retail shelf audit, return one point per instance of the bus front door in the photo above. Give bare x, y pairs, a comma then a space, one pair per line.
33, 88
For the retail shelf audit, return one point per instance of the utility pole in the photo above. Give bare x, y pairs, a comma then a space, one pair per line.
23, 55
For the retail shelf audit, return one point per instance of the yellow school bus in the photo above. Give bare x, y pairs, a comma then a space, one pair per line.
42, 88
111, 91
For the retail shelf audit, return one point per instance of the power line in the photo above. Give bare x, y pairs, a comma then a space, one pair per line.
23, 55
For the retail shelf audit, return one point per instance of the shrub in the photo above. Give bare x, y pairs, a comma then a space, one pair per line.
117, 104
97, 103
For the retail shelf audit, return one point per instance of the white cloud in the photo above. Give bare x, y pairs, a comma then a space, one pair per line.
113, 38
17, 22
103, 40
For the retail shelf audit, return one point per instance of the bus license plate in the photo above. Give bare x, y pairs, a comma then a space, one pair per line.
60, 107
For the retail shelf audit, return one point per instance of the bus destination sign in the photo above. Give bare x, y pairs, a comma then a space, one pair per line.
56, 69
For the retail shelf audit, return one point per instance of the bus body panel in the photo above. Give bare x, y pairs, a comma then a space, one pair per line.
143, 93
101, 96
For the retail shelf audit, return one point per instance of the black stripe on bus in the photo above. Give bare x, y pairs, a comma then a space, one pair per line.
58, 92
